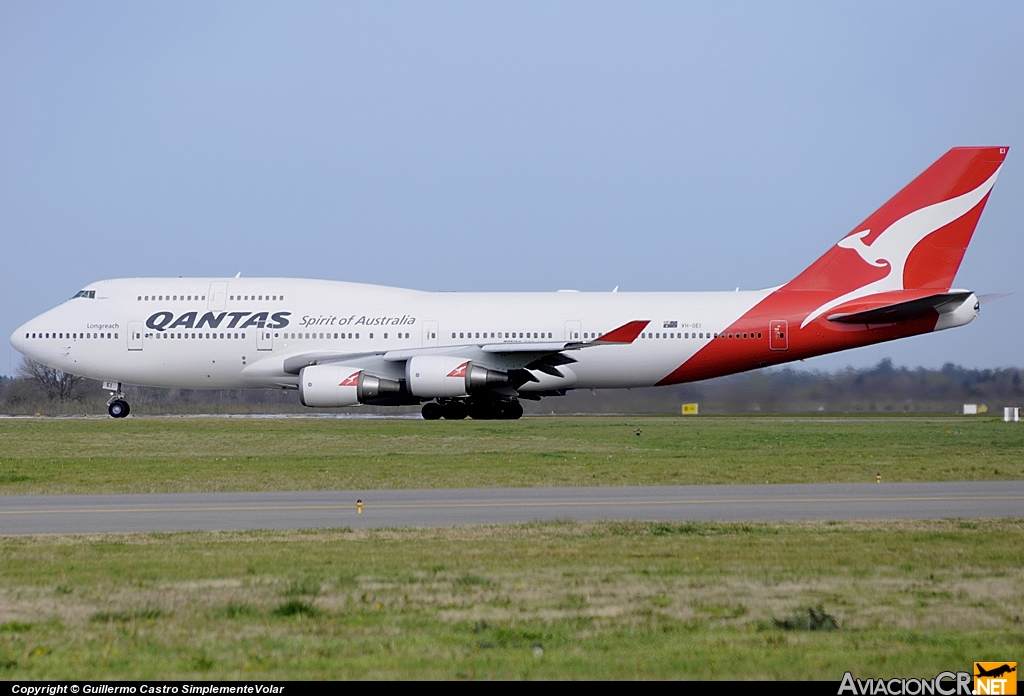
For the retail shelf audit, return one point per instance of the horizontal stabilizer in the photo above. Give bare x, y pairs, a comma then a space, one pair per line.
992, 297
889, 312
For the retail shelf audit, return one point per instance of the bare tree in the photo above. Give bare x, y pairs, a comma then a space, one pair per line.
56, 384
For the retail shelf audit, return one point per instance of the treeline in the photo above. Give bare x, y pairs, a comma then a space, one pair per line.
883, 388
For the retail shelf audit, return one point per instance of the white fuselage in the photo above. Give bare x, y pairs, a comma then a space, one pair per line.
239, 332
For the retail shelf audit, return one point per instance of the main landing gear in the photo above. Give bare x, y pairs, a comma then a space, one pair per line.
455, 409
117, 407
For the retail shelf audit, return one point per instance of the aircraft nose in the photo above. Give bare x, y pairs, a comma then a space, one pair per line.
18, 339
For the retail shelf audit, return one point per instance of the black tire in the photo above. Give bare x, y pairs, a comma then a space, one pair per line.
482, 411
432, 411
513, 410
455, 410
118, 409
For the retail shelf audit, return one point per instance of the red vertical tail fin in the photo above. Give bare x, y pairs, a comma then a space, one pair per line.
916, 240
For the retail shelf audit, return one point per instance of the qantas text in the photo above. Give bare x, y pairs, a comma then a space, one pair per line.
214, 320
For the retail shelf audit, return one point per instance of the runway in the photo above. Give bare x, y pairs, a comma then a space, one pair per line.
50, 514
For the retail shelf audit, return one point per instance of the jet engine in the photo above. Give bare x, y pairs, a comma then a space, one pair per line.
433, 376
328, 386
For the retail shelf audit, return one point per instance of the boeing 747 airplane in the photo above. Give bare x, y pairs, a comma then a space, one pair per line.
479, 354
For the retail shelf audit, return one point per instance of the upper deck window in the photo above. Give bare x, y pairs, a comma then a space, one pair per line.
90, 294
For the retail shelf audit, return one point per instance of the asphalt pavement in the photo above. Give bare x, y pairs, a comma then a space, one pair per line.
41, 514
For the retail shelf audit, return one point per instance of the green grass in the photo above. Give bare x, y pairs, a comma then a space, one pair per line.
554, 600
174, 454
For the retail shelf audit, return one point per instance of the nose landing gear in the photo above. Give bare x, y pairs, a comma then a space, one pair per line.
117, 407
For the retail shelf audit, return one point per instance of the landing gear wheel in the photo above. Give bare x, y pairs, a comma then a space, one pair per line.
119, 409
455, 410
513, 410
432, 411
485, 411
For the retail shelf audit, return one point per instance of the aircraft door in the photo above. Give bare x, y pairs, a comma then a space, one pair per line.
430, 332
778, 330
135, 329
572, 330
265, 339
218, 295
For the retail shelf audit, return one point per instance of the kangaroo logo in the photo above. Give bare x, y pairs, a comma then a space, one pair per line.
459, 371
351, 381
893, 246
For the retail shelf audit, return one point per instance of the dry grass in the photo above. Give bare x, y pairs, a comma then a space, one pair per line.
594, 600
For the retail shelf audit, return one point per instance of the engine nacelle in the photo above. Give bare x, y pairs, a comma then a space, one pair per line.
432, 376
330, 386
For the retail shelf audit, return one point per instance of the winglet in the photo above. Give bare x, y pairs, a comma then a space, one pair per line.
627, 333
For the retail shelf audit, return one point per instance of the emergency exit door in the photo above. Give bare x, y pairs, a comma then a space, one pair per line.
778, 334
430, 333
135, 329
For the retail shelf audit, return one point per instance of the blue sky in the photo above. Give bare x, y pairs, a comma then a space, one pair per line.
491, 146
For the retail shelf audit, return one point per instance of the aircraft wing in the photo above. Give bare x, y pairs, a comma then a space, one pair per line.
623, 335
547, 352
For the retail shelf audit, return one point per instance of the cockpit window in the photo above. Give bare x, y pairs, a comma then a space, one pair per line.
91, 294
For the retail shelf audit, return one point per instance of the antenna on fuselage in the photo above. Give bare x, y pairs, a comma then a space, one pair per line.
238, 275
615, 289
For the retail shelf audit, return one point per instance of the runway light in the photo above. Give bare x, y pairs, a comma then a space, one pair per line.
878, 477
359, 507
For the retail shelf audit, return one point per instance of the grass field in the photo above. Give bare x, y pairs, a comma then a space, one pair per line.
207, 454
558, 600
